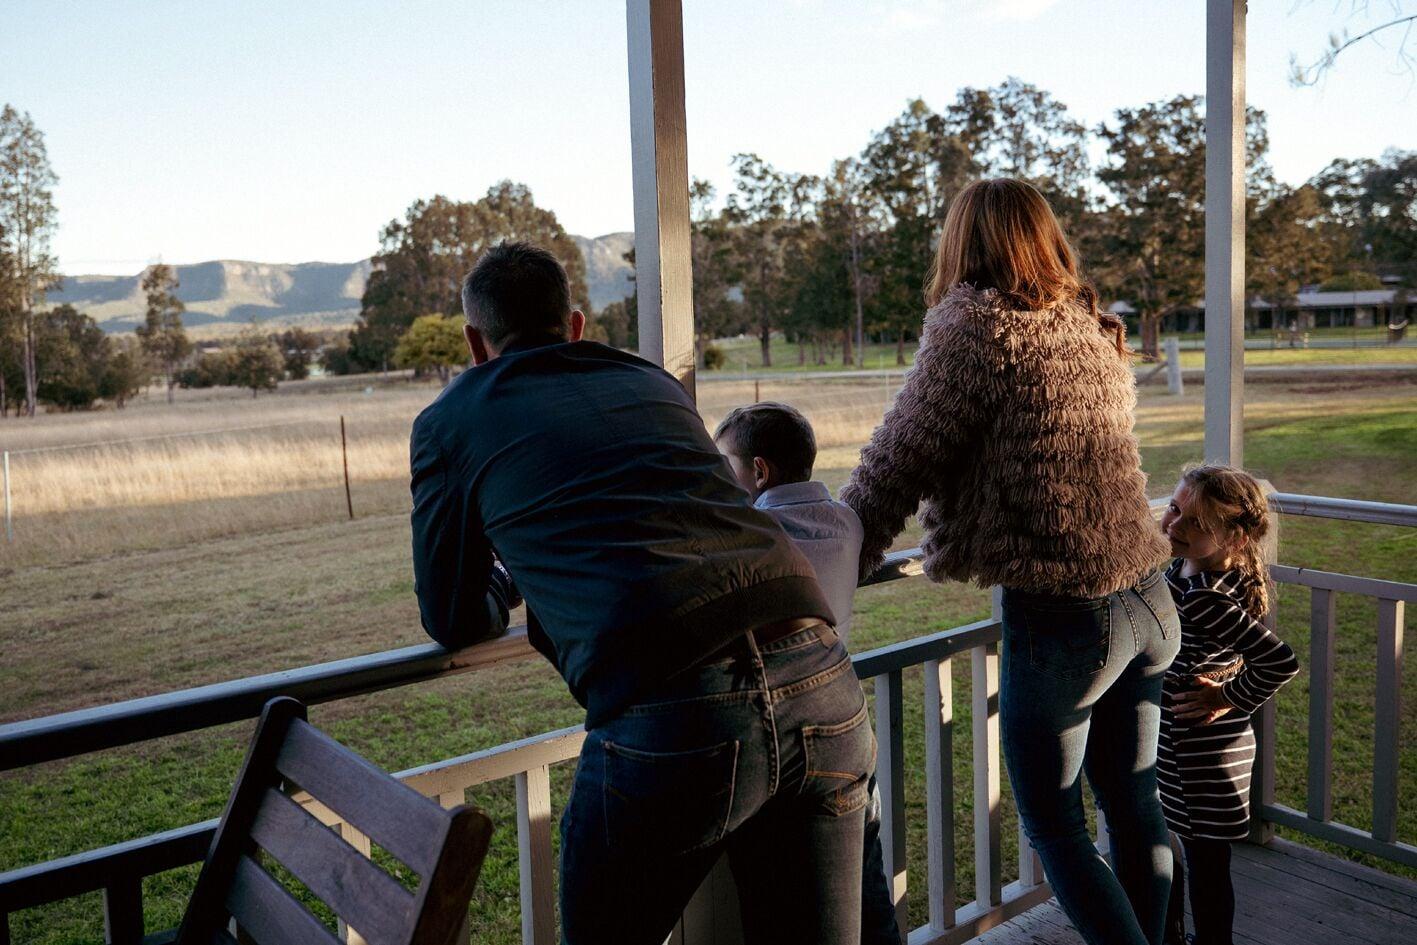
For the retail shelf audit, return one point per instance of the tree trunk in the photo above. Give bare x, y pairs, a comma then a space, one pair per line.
31, 381
801, 351
848, 357
765, 341
900, 348
1150, 333
171, 381
2, 392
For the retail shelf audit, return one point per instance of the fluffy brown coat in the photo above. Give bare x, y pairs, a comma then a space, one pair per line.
1015, 427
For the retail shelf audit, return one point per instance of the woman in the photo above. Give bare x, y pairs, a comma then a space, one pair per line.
1015, 427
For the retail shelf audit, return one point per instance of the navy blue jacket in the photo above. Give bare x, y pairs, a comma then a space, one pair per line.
588, 473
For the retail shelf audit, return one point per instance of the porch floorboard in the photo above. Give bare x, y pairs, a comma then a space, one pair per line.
1286, 894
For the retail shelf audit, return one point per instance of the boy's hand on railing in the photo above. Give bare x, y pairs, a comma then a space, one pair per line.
1201, 705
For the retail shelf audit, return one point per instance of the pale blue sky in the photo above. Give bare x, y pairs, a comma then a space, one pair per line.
292, 131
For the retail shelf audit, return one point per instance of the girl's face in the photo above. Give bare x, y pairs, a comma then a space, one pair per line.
1188, 539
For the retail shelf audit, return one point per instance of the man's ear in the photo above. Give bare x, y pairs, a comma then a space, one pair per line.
762, 473
577, 325
476, 345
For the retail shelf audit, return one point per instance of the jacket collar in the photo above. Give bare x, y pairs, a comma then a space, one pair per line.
528, 342
793, 493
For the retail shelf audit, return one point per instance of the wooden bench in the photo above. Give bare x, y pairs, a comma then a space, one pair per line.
445, 848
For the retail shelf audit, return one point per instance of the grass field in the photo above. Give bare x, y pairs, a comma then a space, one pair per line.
167, 563
745, 355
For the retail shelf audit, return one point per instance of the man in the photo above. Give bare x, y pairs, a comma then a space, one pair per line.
722, 714
771, 449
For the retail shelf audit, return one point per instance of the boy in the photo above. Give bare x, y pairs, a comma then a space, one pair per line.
771, 449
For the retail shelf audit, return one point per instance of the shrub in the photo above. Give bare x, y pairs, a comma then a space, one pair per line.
714, 358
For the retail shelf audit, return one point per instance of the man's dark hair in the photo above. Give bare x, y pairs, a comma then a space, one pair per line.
776, 432
517, 289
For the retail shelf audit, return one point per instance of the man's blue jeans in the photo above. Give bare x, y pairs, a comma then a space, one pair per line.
1081, 692
764, 755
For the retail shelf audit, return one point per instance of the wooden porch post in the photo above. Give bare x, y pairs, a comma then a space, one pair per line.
659, 156
1225, 231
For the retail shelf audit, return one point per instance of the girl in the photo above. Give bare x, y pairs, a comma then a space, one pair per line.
1015, 427
1228, 666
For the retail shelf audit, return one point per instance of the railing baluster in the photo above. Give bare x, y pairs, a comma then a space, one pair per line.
988, 884
890, 778
1262, 775
1322, 612
448, 800
538, 894
1387, 716
123, 911
1030, 867
361, 843
940, 792
1104, 840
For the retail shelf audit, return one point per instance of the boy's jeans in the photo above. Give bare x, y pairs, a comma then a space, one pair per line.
1081, 691
765, 755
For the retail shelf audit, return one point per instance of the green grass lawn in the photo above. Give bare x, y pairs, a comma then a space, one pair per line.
745, 355
171, 619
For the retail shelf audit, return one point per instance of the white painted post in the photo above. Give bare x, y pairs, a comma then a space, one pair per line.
9, 527
890, 778
1225, 231
361, 843
538, 891
1322, 621
1174, 383
659, 158
1387, 716
940, 793
988, 858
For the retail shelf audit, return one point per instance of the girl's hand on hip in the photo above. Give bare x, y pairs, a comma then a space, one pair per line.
1202, 705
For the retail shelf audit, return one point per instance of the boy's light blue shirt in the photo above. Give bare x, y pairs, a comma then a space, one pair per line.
828, 533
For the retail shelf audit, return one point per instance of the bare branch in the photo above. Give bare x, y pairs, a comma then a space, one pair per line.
1300, 75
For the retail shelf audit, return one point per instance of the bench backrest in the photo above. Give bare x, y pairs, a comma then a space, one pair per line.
445, 848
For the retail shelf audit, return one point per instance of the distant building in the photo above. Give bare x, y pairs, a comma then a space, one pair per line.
1312, 308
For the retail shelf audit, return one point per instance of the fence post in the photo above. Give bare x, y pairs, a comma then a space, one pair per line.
1173, 367
344, 449
9, 527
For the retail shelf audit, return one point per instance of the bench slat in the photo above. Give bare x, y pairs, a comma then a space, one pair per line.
358, 891
391, 814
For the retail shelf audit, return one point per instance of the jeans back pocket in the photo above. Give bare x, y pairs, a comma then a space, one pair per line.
668, 802
1069, 640
840, 759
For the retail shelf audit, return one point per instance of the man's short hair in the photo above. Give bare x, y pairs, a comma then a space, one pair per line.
517, 289
776, 432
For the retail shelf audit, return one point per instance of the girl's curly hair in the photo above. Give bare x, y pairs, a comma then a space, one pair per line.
1231, 506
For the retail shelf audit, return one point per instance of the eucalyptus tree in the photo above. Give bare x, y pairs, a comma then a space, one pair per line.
28, 219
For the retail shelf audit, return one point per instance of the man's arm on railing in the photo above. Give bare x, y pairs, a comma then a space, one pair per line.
464, 595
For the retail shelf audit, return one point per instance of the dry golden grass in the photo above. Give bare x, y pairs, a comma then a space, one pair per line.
218, 463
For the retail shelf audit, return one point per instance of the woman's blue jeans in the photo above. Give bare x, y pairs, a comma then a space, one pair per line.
1081, 693
764, 755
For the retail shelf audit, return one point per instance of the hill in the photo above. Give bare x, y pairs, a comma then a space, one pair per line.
229, 293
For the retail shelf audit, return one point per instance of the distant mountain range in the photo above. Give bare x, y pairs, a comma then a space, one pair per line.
279, 295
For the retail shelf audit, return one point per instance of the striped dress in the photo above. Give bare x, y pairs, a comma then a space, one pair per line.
1204, 770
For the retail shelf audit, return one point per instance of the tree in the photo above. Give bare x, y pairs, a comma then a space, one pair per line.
125, 373
1286, 247
163, 338
759, 213
916, 165
424, 257
433, 343
72, 354
27, 222
716, 311
298, 347
256, 362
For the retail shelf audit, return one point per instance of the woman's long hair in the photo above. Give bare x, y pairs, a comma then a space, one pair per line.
1231, 507
1001, 234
